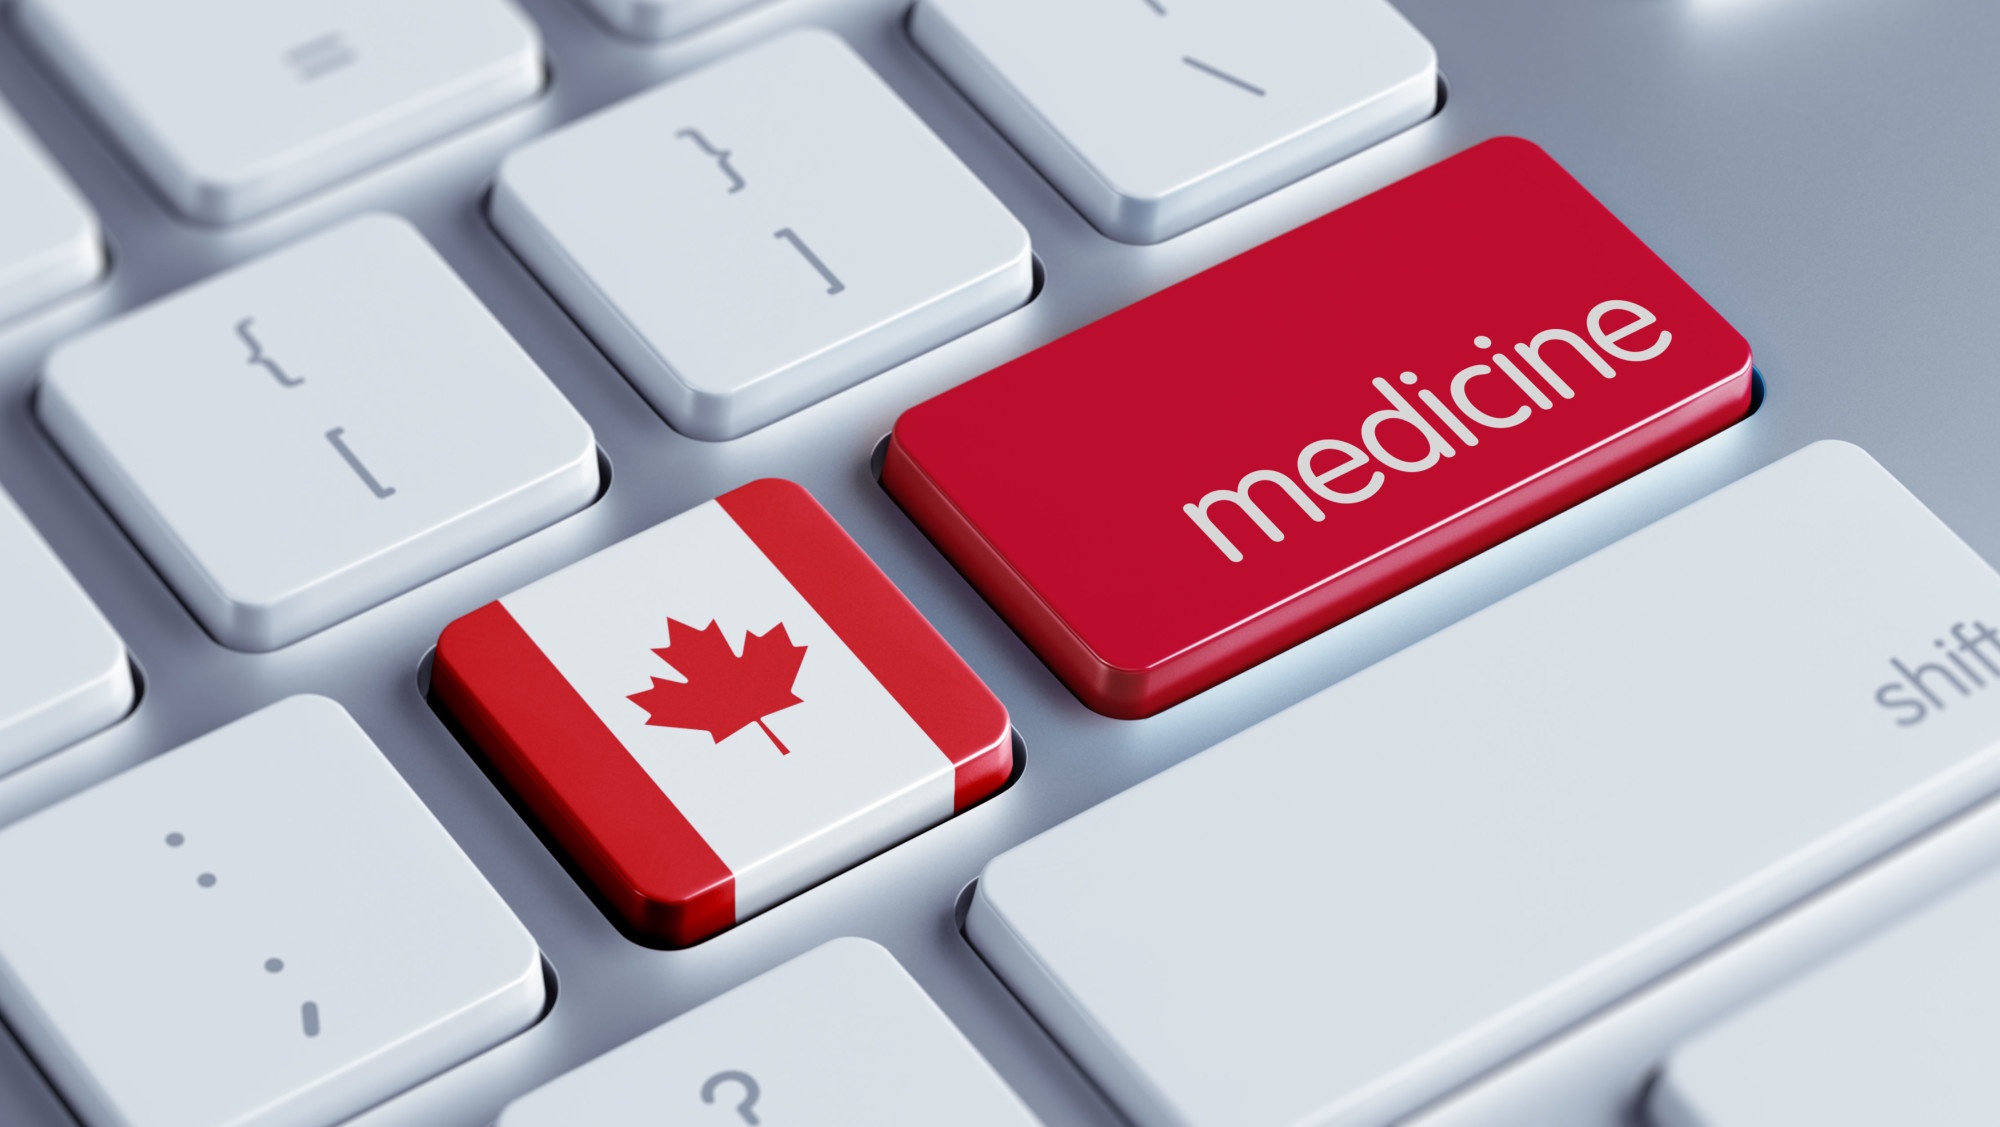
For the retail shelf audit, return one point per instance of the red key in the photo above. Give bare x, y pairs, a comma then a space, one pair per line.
1199, 481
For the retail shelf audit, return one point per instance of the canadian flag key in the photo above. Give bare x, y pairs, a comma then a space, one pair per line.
722, 711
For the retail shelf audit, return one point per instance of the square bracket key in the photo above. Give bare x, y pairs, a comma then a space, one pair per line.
303, 437
752, 238
1156, 116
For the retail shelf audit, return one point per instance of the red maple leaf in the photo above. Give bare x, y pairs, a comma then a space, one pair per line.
723, 693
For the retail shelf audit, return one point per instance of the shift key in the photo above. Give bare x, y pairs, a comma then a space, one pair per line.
1183, 489
1397, 885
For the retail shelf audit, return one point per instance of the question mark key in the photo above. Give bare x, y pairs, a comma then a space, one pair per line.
841, 1034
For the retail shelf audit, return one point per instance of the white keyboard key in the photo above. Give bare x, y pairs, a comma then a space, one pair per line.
756, 236
841, 1034
236, 107
303, 437
1900, 1030
1397, 884
262, 927
661, 19
49, 241
1156, 116
64, 673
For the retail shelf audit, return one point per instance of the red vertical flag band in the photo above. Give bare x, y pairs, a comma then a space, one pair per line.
899, 648
655, 872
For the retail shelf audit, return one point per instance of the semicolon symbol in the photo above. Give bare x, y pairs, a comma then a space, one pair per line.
745, 1107
258, 359
309, 1012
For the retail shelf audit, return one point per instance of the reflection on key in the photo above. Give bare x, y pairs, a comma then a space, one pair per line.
236, 107
49, 242
1429, 868
63, 670
1154, 117
841, 1034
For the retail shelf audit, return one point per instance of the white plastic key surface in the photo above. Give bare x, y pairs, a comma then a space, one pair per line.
236, 107
49, 241
1156, 116
841, 1034
1900, 1030
64, 673
262, 928
756, 236
1397, 884
327, 427
661, 19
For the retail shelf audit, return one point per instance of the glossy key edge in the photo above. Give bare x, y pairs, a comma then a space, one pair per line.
66, 267
653, 21
91, 705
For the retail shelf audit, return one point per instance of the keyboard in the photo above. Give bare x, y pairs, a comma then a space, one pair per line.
1194, 562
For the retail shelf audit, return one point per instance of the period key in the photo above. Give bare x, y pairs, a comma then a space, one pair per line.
1181, 490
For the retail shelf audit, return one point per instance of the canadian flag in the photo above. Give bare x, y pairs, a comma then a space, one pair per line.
722, 711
